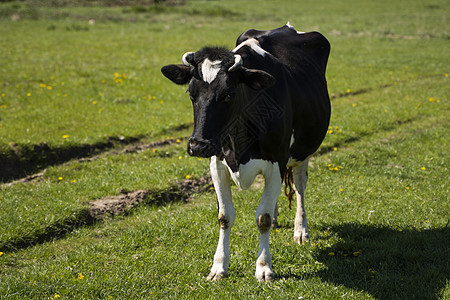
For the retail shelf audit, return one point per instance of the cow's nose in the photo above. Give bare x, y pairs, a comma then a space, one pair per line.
200, 148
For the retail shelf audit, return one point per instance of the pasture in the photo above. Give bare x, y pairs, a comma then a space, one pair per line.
86, 117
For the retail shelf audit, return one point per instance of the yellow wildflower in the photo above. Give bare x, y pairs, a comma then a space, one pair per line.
188, 176
1, 253
178, 140
80, 276
65, 136
349, 90
423, 168
354, 105
43, 85
28, 94
331, 253
356, 253
57, 296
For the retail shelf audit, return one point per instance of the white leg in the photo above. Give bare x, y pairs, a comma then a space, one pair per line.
300, 174
275, 216
221, 180
264, 215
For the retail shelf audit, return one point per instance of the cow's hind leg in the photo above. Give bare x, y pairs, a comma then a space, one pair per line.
221, 180
263, 216
300, 174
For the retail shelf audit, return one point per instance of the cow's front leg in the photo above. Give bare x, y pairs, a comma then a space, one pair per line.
264, 215
221, 180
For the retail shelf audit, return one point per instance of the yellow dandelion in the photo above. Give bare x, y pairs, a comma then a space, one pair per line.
1, 253
446, 74
65, 136
349, 90
80, 276
57, 296
331, 253
60, 178
341, 190
94, 102
28, 94
154, 150
431, 99
354, 105
330, 131
73, 181
180, 157
407, 187
49, 88
178, 141
43, 85
154, 97
3, 95
188, 176
287, 244
116, 74
334, 148
423, 168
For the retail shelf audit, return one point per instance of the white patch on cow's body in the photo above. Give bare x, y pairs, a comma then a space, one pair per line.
292, 140
210, 69
252, 43
292, 27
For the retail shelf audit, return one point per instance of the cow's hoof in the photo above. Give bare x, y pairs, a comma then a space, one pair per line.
303, 238
216, 275
264, 275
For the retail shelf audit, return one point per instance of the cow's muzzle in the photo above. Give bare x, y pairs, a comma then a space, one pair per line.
202, 148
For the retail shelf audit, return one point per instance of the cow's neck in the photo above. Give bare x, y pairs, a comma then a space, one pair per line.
241, 135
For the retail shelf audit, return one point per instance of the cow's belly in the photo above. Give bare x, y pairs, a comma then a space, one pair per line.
247, 172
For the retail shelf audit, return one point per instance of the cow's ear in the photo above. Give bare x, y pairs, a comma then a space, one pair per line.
180, 74
256, 79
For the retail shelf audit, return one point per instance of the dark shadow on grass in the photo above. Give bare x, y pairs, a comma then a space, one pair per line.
388, 263
20, 161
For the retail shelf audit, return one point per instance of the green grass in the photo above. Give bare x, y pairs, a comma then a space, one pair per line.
73, 95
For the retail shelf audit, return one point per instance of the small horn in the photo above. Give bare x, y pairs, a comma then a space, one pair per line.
237, 63
188, 58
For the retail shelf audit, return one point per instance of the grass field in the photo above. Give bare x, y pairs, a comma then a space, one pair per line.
86, 115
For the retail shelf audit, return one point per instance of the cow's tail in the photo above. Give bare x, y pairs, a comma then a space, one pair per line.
288, 188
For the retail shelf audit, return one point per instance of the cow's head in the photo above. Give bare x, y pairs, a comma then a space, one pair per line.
213, 75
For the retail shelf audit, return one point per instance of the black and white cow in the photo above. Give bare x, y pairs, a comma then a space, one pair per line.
262, 108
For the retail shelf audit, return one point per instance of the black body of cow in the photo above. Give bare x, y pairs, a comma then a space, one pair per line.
249, 114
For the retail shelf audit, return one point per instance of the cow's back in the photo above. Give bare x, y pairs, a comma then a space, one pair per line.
304, 56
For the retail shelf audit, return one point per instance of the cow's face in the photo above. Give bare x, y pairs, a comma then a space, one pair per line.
213, 75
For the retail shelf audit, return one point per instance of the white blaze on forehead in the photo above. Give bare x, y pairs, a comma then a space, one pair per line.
292, 27
210, 69
254, 44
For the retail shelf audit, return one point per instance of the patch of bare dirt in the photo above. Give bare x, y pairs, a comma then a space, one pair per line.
117, 205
